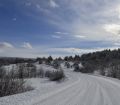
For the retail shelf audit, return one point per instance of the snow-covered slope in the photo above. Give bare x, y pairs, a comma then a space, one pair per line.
78, 89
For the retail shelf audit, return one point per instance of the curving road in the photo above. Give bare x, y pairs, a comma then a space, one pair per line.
78, 89
87, 90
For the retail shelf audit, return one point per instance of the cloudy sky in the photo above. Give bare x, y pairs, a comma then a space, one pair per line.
32, 28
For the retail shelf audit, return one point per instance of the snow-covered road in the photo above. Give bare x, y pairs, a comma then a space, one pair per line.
87, 90
78, 89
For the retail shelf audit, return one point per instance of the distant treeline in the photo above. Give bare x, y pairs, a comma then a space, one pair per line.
105, 62
47, 60
12, 60
100, 59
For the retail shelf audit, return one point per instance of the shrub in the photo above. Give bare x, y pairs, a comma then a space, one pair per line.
47, 74
26, 70
56, 64
56, 75
76, 67
67, 64
10, 85
41, 73
2, 72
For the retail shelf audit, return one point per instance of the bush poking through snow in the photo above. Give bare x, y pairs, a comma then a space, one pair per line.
47, 74
10, 85
56, 64
76, 67
56, 75
12, 81
41, 73
67, 64
51, 73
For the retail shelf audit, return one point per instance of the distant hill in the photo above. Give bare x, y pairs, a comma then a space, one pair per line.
14, 60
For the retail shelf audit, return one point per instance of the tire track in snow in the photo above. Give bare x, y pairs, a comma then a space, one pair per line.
50, 94
88, 90
65, 96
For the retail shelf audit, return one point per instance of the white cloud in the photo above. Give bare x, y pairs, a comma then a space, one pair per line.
112, 28
76, 16
80, 18
58, 32
73, 51
4, 45
56, 36
64, 33
67, 50
88, 17
80, 36
53, 4
40, 51
27, 45
23, 52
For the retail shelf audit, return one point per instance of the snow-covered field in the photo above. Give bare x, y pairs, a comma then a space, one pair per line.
77, 89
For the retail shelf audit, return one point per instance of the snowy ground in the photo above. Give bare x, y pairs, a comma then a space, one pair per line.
77, 89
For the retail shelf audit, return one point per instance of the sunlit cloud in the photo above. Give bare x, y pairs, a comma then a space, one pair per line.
80, 36
62, 33
112, 28
4, 45
40, 51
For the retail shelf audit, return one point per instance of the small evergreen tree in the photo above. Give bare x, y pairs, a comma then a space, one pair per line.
76, 67
49, 60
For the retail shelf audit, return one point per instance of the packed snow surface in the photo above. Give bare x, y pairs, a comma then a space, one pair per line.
77, 89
